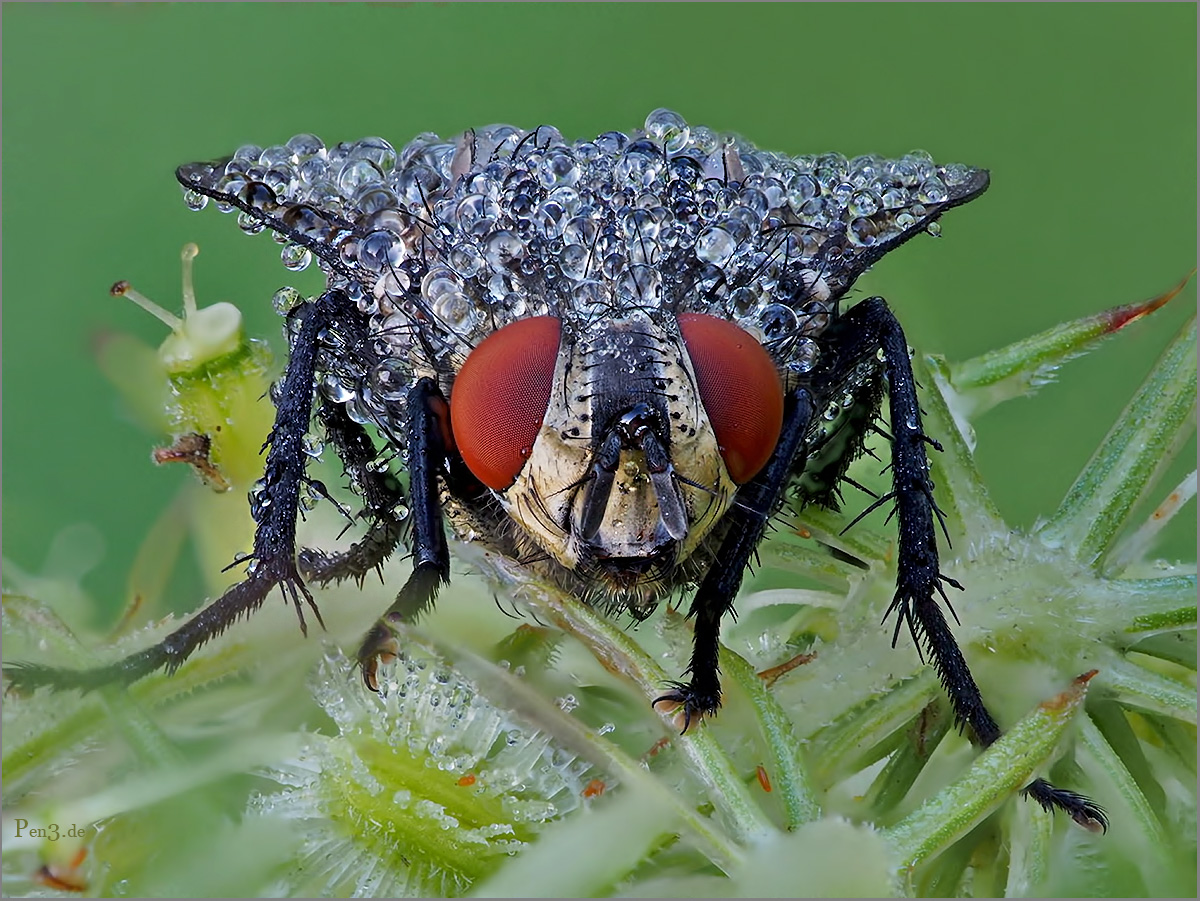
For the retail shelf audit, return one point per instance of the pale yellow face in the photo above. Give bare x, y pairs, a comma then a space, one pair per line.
548, 498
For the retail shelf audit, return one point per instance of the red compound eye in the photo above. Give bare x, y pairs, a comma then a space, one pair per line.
500, 396
740, 389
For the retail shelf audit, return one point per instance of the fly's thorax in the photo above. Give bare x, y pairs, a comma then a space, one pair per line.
625, 476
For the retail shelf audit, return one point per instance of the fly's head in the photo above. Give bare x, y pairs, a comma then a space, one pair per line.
617, 445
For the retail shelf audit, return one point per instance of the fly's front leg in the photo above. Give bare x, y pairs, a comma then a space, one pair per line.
428, 446
382, 497
274, 503
919, 581
755, 503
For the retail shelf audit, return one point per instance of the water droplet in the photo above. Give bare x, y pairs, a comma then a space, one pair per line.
641, 283
249, 223
741, 301
933, 190
380, 250
804, 356
777, 321
335, 389
574, 261
194, 199
668, 128
305, 145
295, 257
457, 311
502, 249
285, 300
558, 167
864, 203
715, 245
863, 232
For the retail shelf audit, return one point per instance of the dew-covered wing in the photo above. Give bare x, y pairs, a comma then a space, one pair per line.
459, 237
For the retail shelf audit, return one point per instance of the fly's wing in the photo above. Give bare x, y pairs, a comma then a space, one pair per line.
366, 214
318, 198
445, 241
388, 228
848, 214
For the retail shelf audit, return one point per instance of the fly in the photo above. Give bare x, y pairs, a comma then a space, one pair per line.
614, 357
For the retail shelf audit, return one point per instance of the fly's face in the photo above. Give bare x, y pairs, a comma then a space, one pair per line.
618, 445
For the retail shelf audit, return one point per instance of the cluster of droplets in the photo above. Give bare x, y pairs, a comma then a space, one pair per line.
432, 715
445, 241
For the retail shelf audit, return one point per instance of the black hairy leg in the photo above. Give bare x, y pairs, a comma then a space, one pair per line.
382, 497
272, 564
429, 445
919, 582
756, 502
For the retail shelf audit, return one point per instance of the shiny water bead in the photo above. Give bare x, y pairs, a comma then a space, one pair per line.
558, 168
840, 193
669, 129
903, 172
393, 284
715, 245
380, 250
864, 232
457, 311
581, 229
502, 248
337, 389
803, 188
640, 283
466, 259
923, 161
741, 301
639, 166
803, 356
285, 300
415, 186
476, 208
375, 150
640, 224
591, 298
305, 145
611, 142
864, 203
956, 174
251, 225
574, 260
550, 217
304, 220
933, 190
275, 155
613, 265
513, 306
281, 180
295, 257
356, 173
703, 140
777, 321
439, 281
247, 153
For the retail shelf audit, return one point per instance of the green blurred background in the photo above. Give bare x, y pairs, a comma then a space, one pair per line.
1085, 114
